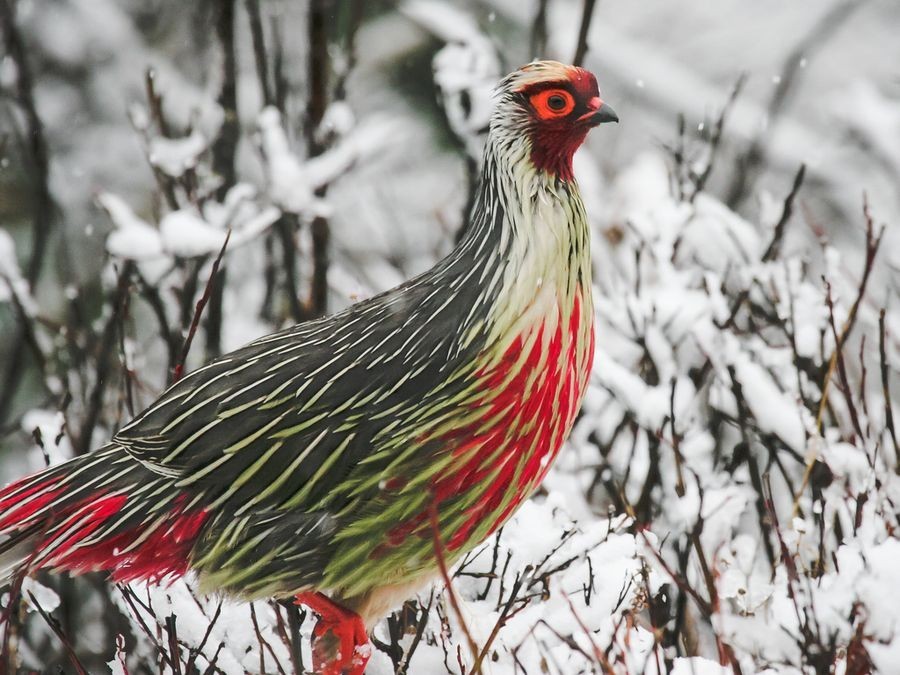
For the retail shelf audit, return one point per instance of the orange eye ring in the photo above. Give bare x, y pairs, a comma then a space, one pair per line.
552, 103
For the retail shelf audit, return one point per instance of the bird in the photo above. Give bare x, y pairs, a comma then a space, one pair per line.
333, 462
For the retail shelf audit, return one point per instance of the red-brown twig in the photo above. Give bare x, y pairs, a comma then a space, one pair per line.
445, 575
57, 630
178, 371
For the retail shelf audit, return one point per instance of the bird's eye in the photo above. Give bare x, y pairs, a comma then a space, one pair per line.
556, 102
552, 103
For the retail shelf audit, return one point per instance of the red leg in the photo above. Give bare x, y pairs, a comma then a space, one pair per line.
346, 650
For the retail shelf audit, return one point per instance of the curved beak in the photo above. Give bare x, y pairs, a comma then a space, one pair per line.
603, 114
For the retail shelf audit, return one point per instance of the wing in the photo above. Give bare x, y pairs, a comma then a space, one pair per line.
282, 421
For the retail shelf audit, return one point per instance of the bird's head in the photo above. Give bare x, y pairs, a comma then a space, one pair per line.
552, 106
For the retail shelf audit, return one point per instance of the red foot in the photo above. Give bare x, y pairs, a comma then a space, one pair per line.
346, 650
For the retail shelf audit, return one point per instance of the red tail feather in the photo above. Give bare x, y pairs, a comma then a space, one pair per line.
25, 502
92, 533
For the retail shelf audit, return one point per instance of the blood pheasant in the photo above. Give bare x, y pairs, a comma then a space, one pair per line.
325, 460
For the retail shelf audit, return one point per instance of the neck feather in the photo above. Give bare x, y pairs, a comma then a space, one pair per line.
527, 225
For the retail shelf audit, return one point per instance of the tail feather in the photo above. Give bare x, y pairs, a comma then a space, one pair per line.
14, 553
103, 511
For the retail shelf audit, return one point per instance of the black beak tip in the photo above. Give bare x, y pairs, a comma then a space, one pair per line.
605, 114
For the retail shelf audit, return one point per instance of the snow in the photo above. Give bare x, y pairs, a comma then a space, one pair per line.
49, 426
174, 156
133, 238
697, 665
291, 183
774, 411
37, 596
186, 234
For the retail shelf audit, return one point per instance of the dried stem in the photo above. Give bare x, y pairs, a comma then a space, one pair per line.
587, 13
886, 390
103, 362
63, 638
224, 151
539, 30
198, 312
448, 584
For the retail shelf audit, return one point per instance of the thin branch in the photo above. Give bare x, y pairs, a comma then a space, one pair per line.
224, 151
587, 13
57, 630
174, 647
886, 390
539, 30
771, 251
150, 294
189, 666
716, 136
871, 250
786, 211
103, 362
258, 39
442, 565
198, 312
403, 666
286, 227
130, 599
316, 104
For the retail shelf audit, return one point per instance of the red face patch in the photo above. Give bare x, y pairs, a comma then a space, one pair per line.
561, 111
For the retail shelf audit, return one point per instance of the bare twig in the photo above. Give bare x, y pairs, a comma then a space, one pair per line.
286, 226
872, 245
259, 51
886, 390
264, 645
587, 13
103, 362
130, 599
198, 312
189, 666
772, 249
224, 151
716, 136
676, 443
57, 630
316, 104
154, 102
442, 565
838, 359
539, 30
787, 209
403, 666
174, 647
150, 294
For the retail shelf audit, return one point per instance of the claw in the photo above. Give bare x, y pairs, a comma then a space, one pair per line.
340, 641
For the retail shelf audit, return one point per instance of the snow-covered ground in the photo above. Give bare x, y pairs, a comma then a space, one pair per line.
728, 499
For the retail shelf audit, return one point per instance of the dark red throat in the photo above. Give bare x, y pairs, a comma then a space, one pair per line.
552, 149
